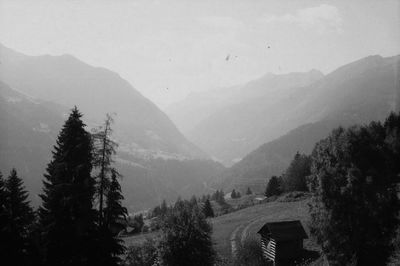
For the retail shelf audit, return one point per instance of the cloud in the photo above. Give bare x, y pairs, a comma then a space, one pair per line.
322, 18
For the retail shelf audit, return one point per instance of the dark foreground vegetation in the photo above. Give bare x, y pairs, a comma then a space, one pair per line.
352, 177
81, 209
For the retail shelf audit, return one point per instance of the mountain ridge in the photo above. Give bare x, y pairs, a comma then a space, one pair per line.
368, 94
68, 81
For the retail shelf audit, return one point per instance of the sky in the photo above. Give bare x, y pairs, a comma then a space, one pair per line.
168, 49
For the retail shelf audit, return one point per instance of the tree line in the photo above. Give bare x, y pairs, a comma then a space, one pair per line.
81, 211
354, 179
185, 237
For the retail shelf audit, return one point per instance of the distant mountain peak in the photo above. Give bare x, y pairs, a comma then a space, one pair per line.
66, 80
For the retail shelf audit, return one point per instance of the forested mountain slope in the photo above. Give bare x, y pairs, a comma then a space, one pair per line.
358, 93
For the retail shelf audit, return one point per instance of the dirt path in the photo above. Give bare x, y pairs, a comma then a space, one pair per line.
233, 239
245, 232
241, 232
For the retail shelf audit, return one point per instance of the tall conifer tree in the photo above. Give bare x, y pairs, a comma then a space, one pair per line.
19, 218
67, 217
3, 217
114, 221
108, 193
207, 209
104, 149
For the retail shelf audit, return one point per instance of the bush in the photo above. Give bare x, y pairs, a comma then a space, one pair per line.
294, 196
250, 253
142, 255
186, 237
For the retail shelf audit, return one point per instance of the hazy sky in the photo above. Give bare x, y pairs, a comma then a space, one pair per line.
167, 49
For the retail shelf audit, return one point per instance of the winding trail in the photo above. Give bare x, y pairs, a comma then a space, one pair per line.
245, 232
241, 232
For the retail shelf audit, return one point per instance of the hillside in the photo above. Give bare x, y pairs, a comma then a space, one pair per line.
233, 227
156, 160
271, 107
28, 131
65, 80
229, 122
28, 128
358, 93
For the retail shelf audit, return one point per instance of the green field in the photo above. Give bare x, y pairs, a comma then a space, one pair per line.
230, 228
236, 226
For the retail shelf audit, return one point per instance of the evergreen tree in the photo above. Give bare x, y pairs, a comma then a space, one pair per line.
297, 172
3, 213
19, 218
220, 197
238, 195
114, 221
67, 217
273, 187
103, 151
249, 192
115, 213
186, 237
207, 209
354, 210
4, 235
233, 194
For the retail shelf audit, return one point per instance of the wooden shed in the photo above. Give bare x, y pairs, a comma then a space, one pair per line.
282, 241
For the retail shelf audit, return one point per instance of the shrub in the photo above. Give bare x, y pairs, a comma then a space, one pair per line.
250, 253
142, 255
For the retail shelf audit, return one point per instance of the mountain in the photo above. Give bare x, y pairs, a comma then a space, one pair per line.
140, 126
28, 131
156, 161
230, 122
357, 93
28, 128
197, 106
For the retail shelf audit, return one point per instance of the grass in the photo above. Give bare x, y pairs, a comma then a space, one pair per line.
244, 223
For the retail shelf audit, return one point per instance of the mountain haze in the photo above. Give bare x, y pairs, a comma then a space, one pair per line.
357, 93
228, 123
157, 162
28, 129
140, 125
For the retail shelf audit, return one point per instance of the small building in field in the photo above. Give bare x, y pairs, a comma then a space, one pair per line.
282, 241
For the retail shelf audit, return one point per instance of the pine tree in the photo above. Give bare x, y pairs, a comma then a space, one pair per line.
20, 216
238, 195
67, 217
104, 149
273, 187
4, 235
207, 209
114, 221
233, 194
219, 197
297, 172
3, 214
249, 192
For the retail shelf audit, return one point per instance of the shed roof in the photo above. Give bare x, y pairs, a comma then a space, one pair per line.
284, 231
